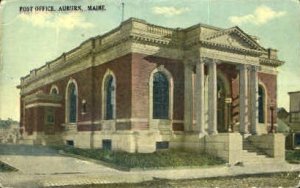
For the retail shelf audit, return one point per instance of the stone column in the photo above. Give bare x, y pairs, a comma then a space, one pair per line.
188, 97
212, 97
254, 98
199, 96
243, 99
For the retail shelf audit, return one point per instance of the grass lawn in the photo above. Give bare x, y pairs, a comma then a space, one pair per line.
293, 156
6, 168
167, 158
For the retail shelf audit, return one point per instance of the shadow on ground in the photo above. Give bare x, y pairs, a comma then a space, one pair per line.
35, 150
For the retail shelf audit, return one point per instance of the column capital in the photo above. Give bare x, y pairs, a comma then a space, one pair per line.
254, 68
204, 60
208, 60
241, 67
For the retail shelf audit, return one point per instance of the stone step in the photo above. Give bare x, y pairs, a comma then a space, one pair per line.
247, 145
254, 151
258, 160
253, 157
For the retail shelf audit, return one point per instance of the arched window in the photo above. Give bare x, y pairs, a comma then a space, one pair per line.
109, 97
261, 104
160, 96
71, 103
54, 90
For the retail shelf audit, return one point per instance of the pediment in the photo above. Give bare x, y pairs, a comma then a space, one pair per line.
234, 37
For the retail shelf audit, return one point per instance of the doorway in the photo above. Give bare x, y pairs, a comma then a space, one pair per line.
223, 109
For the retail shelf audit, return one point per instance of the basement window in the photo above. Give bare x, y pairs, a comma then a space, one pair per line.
106, 144
70, 142
162, 145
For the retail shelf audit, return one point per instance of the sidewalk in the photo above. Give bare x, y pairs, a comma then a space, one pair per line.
43, 167
50, 180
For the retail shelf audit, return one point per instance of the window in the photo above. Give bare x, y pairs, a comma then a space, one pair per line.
295, 116
49, 116
54, 90
261, 104
70, 142
297, 139
162, 145
106, 144
160, 96
71, 103
109, 97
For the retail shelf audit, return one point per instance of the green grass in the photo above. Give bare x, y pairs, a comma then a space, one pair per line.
6, 168
167, 158
293, 156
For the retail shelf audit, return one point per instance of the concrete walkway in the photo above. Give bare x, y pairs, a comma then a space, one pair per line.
42, 167
43, 160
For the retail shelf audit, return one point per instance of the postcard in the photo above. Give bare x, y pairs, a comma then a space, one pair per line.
116, 91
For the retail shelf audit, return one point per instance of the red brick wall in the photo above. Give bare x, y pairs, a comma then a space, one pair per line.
270, 82
29, 121
142, 66
89, 84
121, 67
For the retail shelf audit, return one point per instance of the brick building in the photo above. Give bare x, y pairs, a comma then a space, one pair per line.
293, 140
143, 87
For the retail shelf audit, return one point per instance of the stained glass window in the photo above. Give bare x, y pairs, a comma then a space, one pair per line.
109, 111
160, 96
72, 103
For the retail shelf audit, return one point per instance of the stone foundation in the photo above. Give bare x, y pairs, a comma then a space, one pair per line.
228, 146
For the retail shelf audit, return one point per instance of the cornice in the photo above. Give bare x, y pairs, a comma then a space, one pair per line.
224, 47
42, 96
270, 62
139, 31
157, 41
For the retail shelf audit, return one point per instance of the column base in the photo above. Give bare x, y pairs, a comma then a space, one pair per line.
213, 132
202, 134
246, 135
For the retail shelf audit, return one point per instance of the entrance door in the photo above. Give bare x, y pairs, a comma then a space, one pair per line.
221, 116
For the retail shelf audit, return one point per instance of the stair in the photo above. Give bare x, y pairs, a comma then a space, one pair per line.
248, 146
253, 155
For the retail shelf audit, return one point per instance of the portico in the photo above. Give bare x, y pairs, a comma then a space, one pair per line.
195, 109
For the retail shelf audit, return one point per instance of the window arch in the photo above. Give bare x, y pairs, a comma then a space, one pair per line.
109, 96
71, 102
261, 104
54, 90
161, 94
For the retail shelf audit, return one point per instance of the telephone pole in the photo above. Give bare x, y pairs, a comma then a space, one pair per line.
123, 4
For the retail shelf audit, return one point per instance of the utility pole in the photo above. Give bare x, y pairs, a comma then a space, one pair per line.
123, 4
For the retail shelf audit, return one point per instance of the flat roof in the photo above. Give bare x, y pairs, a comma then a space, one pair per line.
292, 92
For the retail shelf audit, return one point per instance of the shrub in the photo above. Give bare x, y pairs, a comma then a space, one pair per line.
164, 158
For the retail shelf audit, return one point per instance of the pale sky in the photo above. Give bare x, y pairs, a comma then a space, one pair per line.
31, 40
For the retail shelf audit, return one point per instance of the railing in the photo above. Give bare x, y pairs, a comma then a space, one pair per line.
159, 30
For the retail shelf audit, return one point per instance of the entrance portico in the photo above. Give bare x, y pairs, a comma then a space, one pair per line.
195, 109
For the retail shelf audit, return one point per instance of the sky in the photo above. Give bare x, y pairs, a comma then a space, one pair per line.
29, 40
